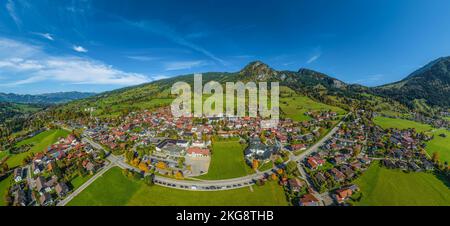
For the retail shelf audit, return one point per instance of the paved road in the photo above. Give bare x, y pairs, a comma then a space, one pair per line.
29, 179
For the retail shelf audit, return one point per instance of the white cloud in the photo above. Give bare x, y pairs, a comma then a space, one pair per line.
180, 65
80, 49
313, 58
11, 7
13, 49
45, 35
82, 71
29, 64
19, 64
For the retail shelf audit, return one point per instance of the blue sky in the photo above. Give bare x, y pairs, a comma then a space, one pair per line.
56, 45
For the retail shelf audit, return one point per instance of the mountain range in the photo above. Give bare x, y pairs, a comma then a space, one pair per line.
47, 98
430, 85
425, 89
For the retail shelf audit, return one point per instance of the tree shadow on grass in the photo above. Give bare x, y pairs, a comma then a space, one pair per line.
444, 178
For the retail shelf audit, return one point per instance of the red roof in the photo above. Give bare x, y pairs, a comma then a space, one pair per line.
298, 146
308, 199
197, 150
342, 194
312, 162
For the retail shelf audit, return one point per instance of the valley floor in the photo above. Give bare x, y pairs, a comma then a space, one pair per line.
114, 189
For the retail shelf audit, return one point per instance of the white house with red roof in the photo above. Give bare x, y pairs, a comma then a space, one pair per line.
197, 152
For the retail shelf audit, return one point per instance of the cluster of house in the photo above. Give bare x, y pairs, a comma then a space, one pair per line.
350, 151
340, 158
435, 122
340, 196
401, 149
43, 182
183, 137
337, 162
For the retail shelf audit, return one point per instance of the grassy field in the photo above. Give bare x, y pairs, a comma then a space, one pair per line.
440, 144
3, 154
266, 166
447, 118
385, 187
115, 189
386, 123
38, 142
295, 107
78, 181
227, 161
4, 184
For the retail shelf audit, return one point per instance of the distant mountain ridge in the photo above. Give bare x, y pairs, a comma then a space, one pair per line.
157, 93
47, 98
429, 84
317, 85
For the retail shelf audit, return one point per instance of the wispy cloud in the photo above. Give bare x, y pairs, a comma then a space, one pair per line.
180, 65
11, 7
143, 58
45, 35
29, 64
13, 49
80, 49
163, 29
20, 64
313, 58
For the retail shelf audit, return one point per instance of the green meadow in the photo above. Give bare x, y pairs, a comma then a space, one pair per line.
440, 144
114, 189
3, 154
227, 161
397, 123
295, 107
387, 187
38, 143
78, 181
4, 185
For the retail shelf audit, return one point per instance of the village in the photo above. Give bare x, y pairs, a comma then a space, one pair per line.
315, 161
157, 140
44, 180
350, 151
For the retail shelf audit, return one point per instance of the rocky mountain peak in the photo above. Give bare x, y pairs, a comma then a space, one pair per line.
258, 70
